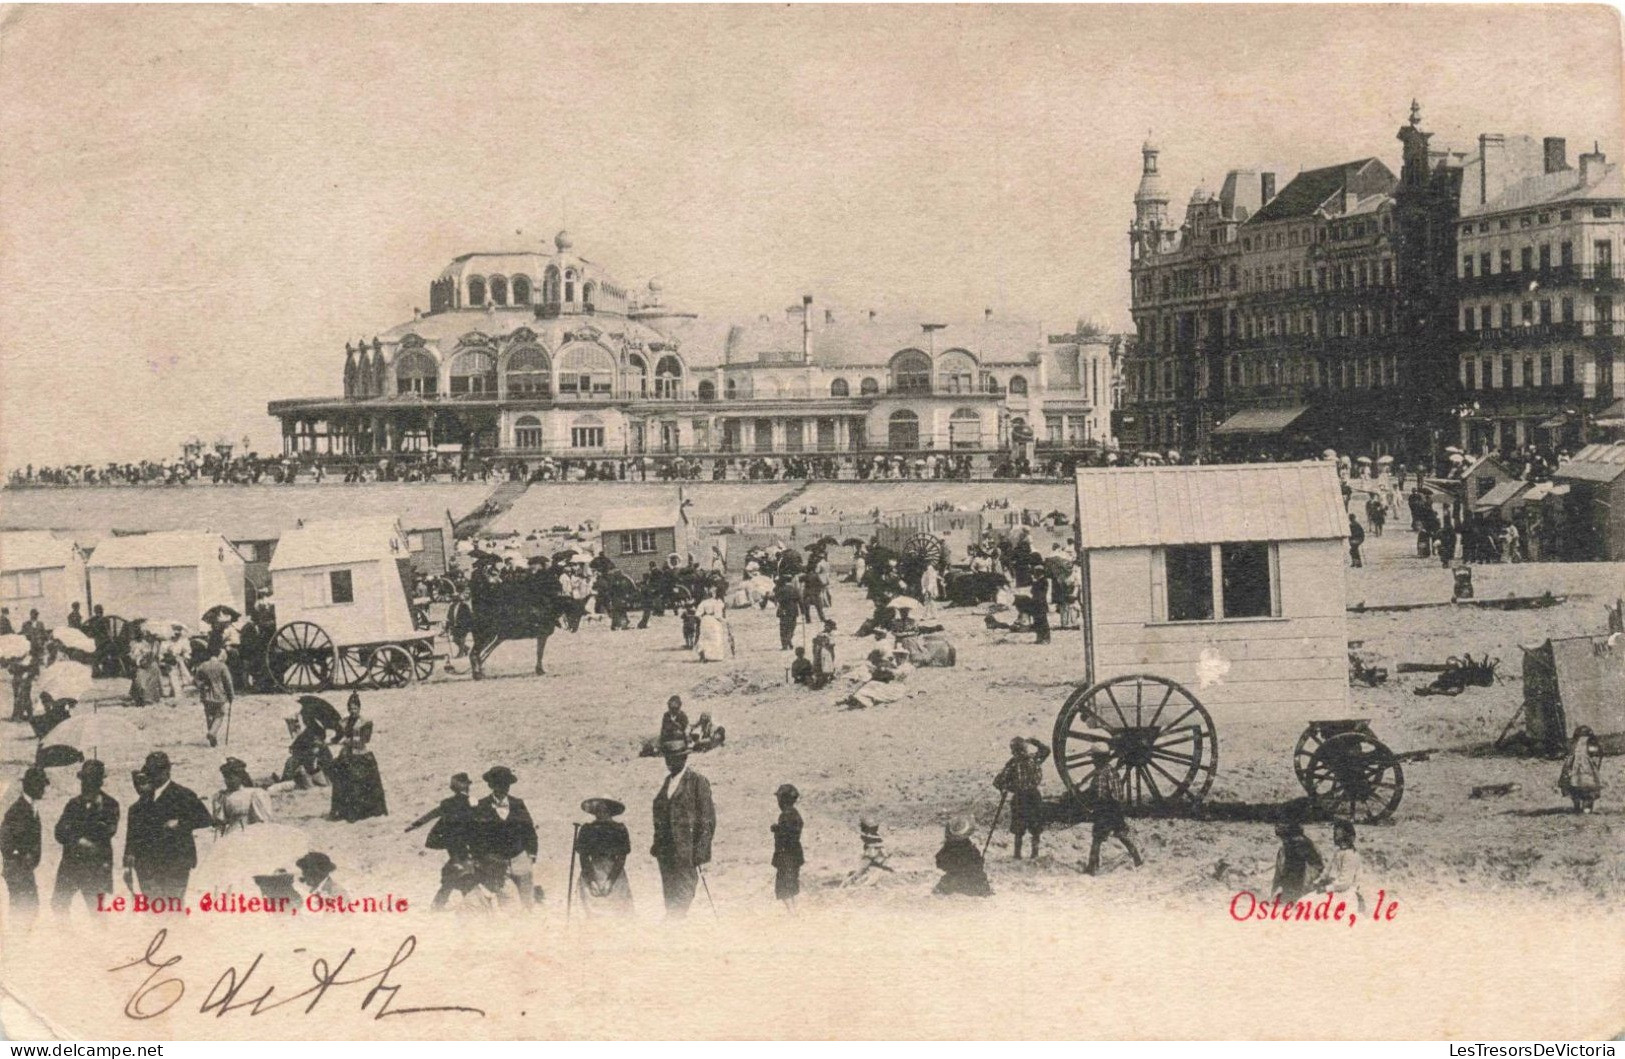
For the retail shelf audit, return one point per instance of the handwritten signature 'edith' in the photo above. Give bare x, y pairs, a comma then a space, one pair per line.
237, 991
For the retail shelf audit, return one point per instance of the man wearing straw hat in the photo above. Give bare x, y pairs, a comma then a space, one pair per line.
85, 831
684, 821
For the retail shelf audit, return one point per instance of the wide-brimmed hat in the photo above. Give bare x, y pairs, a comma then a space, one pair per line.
602, 807
674, 747
316, 863
500, 775
960, 827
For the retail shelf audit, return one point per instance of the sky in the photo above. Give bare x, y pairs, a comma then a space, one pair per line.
199, 205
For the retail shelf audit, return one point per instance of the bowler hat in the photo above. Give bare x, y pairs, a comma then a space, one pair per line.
500, 776
157, 761
92, 768
674, 747
461, 778
602, 807
316, 863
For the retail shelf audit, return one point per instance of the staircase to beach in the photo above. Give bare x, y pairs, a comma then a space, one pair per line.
787, 497
490, 509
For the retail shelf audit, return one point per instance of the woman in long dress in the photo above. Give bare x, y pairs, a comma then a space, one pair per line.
715, 636
602, 847
358, 789
885, 683
147, 684
172, 666
1580, 778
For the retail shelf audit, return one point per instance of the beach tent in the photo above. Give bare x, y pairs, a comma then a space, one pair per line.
1579, 680
39, 571
177, 574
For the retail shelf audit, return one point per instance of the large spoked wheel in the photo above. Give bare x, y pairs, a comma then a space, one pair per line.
927, 546
300, 658
354, 667
1354, 776
1159, 739
392, 667
422, 659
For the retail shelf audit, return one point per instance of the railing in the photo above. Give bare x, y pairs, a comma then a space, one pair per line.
1604, 274
1532, 334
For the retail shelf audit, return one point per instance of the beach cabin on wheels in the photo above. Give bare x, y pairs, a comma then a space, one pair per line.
1226, 578
342, 590
39, 571
634, 536
174, 575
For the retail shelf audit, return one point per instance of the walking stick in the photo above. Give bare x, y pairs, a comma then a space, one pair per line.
228, 721
708, 899
994, 825
569, 877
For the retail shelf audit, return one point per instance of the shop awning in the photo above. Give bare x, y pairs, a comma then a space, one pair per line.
1612, 416
1556, 422
1502, 493
1261, 420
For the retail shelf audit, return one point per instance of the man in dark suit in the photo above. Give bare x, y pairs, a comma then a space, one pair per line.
503, 830
85, 831
158, 842
20, 845
453, 832
684, 821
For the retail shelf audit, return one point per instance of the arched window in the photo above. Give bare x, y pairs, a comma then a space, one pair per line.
587, 432
476, 292
473, 373
499, 290
1018, 385
586, 370
911, 372
637, 376
588, 290
527, 433
416, 372
965, 429
903, 430
868, 387
669, 378
529, 374
521, 290
956, 372
550, 286
570, 285
839, 388
730, 387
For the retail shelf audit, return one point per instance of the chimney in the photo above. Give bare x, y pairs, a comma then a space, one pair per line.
806, 327
1557, 153
1490, 143
1266, 188
1591, 165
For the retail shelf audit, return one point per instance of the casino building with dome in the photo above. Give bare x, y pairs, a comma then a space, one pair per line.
529, 354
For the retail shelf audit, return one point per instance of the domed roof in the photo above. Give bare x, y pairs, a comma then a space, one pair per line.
1149, 146
655, 286
563, 241
1201, 194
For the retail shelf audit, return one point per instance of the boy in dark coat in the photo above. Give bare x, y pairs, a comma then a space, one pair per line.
787, 855
961, 863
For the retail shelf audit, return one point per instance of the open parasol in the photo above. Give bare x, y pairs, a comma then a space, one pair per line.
904, 603
221, 614
1385, 459
1362, 459
65, 680
1329, 454
13, 648
230, 863
74, 640
100, 734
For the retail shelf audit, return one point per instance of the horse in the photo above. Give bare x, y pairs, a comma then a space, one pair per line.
530, 606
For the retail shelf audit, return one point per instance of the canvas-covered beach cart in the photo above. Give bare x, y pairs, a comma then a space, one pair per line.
1216, 591
342, 592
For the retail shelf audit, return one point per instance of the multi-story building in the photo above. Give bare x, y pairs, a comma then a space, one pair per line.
1331, 313
1539, 287
530, 354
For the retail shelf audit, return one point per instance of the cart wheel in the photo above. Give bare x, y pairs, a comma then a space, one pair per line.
422, 659
1354, 776
929, 547
1309, 742
354, 667
300, 658
392, 667
442, 590
1160, 739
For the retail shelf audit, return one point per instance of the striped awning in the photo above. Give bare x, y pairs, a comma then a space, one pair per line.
1261, 420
